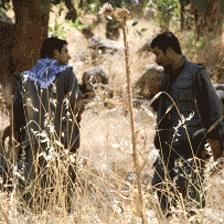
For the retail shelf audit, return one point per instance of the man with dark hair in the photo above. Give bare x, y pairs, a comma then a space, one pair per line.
166, 40
189, 114
49, 80
51, 44
50, 97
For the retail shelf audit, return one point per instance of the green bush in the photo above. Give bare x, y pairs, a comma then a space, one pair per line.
57, 29
167, 9
91, 6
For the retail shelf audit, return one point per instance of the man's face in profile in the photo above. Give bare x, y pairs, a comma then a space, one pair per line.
63, 55
161, 57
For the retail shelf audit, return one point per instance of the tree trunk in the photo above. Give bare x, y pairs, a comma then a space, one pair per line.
31, 29
19, 48
7, 37
72, 13
209, 20
20, 42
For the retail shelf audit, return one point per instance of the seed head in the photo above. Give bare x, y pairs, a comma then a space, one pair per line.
106, 10
119, 14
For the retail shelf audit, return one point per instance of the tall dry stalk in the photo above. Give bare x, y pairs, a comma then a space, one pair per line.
121, 15
133, 136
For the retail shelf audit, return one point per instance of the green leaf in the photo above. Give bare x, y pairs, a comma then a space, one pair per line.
78, 25
144, 30
135, 23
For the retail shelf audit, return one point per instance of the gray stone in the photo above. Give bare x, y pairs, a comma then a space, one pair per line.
104, 45
149, 83
94, 79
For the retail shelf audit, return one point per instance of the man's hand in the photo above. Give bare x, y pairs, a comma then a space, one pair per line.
216, 148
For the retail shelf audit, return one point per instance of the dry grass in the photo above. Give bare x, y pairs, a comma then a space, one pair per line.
106, 189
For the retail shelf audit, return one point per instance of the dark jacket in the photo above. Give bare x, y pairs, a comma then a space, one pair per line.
187, 109
49, 112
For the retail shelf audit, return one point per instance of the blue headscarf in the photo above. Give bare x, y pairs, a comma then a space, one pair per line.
44, 71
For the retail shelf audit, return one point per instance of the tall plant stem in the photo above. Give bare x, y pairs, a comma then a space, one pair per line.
133, 136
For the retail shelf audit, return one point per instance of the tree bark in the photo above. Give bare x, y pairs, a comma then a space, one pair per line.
208, 21
7, 36
20, 42
31, 18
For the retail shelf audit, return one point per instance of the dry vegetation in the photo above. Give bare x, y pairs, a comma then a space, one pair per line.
106, 189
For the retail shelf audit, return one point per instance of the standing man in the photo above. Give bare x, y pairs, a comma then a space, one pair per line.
50, 97
189, 114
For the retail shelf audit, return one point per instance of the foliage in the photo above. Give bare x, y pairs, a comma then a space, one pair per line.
140, 32
4, 4
167, 9
197, 48
202, 5
57, 29
79, 25
91, 6
2, 13
135, 3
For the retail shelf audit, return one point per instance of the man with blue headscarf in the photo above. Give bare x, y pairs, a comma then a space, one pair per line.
50, 91
50, 96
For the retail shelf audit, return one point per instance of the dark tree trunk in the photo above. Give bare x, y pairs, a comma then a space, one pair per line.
19, 48
207, 16
72, 13
20, 42
209, 20
7, 38
31, 29
182, 19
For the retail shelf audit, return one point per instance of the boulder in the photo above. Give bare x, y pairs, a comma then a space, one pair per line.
149, 13
105, 46
149, 83
93, 80
99, 49
219, 88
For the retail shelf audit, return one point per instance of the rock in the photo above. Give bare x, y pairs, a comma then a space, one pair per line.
99, 49
149, 13
219, 88
94, 76
94, 79
103, 45
149, 83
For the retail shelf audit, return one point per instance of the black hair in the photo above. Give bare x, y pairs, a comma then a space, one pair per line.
49, 45
165, 40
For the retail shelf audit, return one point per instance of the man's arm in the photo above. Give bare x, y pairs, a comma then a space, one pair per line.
211, 110
76, 97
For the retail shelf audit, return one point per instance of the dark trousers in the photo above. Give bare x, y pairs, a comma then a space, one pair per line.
178, 176
42, 177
